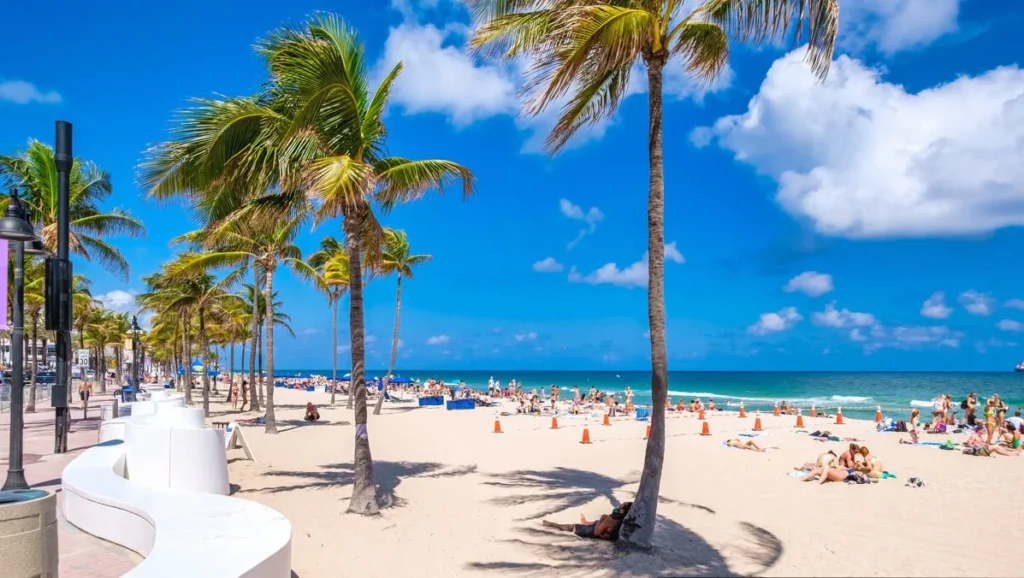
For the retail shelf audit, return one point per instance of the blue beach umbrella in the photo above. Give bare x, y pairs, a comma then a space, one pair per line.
400, 380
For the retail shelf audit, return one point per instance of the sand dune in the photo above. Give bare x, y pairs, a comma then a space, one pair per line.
461, 501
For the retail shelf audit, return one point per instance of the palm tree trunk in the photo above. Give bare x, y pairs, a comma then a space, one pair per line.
30, 406
394, 344
638, 527
187, 356
271, 420
334, 345
259, 368
204, 343
254, 404
231, 370
120, 363
364, 495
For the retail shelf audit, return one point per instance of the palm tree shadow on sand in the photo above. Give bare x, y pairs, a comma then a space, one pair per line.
387, 475
676, 550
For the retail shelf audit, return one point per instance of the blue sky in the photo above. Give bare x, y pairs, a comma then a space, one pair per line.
872, 222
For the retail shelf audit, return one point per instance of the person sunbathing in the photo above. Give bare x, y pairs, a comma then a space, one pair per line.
849, 458
743, 444
604, 528
827, 459
312, 413
828, 474
871, 466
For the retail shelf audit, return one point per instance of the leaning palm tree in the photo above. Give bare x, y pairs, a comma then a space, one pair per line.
583, 53
89, 186
331, 264
395, 258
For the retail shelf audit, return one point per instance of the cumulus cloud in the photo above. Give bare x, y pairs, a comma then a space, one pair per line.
549, 265
591, 217
856, 335
891, 26
22, 92
634, 275
913, 337
118, 300
860, 157
774, 322
832, 317
438, 340
524, 336
935, 306
1010, 325
812, 283
977, 303
1014, 304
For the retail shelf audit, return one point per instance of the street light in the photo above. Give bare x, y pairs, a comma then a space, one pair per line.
135, 355
14, 227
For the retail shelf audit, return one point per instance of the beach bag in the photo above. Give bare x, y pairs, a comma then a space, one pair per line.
901, 426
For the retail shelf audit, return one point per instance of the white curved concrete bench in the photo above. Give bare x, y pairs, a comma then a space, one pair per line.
180, 533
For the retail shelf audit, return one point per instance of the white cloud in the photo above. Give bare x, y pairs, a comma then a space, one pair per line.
935, 306
635, 275
575, 212
526, 336
856, 335
893, 26
369, 338
1010, 325
549, 265
810, 282
913, 337
775, 322
832, 317
1014, 304
863, 158
22, 92
118, 300
309, 331
977, 303
439, 76
438, 340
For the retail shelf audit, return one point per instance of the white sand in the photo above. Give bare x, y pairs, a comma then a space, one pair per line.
463, 501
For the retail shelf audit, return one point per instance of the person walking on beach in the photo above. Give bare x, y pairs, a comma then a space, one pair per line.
575, 394
234, 395
970, 407
245, 395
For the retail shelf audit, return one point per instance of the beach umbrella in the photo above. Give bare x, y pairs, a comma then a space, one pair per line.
400, 380
346, 376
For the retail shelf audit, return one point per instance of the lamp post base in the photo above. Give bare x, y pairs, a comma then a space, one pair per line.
15, 480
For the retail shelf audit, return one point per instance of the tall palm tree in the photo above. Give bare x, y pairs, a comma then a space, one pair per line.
316, 136
331, 264
396, 258
234, 245
255, 303
585, 51
35, 170
34, 301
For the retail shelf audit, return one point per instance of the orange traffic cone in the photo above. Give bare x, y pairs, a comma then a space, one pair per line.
799, 419
743, 412
586, 435
757, 423
606, 420
814, 412
878, 414
705, 431
497, 425
554, 422
701, 416
776, 412
839, 416
647, 434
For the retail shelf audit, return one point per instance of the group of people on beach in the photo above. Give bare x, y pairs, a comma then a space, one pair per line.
856, 465
998, 435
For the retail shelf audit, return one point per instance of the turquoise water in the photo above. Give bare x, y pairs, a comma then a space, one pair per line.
857, 393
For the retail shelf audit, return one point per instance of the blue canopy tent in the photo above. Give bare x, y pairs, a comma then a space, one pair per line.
400, 380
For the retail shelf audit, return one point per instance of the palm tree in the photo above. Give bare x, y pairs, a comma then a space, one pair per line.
234, 245
315, 134
89, 186
255, 303
331, 264
585, 50
395, 258
34, 302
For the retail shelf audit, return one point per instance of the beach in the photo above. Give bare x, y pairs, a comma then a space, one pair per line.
460, 500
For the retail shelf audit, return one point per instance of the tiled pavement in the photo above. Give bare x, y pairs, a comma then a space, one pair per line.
81, 555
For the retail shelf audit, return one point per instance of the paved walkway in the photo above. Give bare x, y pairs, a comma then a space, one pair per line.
81, 555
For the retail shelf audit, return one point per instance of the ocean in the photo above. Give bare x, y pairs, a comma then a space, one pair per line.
857, 393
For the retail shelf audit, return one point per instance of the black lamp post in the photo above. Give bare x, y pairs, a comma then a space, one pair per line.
135, 355
58, 289
15, 228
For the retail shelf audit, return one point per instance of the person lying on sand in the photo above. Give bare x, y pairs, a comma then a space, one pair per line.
1013, 443
312, 413
827, 459
605, 528
743, 444
827, 474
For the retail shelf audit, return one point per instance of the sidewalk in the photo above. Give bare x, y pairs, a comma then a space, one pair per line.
81, 555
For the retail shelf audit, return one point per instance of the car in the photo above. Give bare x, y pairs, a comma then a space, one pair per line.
90, 374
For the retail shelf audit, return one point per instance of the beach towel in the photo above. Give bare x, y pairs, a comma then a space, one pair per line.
798, 473
757, 434
888, 476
